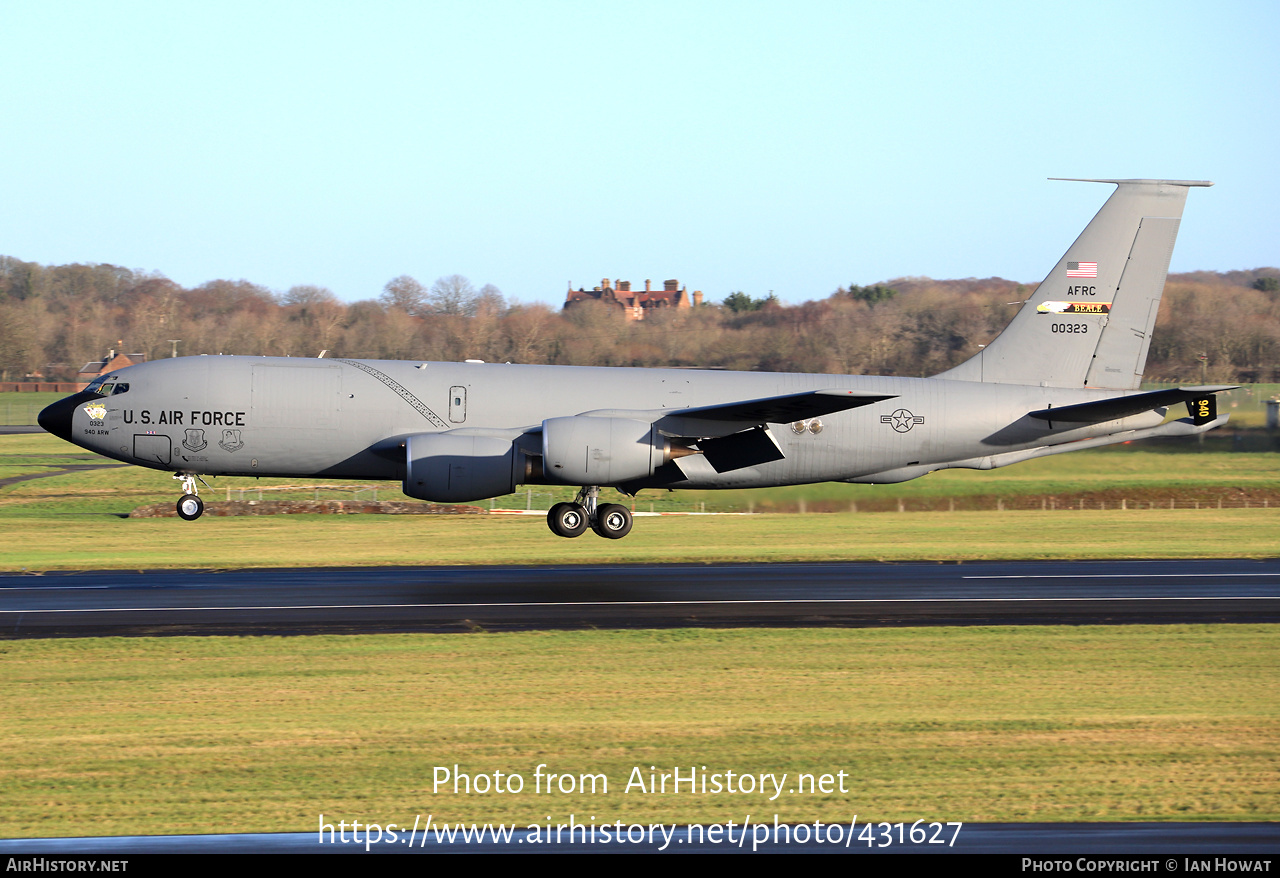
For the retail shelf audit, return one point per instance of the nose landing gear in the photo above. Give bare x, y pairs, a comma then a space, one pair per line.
190, 506
610, 520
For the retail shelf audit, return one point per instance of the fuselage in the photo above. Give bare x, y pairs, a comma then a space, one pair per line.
1056, 379
348, 419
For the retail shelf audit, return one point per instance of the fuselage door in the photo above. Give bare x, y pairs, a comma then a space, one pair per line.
458, 405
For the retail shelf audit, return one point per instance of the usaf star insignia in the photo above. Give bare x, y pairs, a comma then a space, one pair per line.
902, 420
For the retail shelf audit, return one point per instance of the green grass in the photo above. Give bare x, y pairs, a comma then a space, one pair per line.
22, 408
1139, 468
77, 520
89, 541
175, 735
34, 451
976, 724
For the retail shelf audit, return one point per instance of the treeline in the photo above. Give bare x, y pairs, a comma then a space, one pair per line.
54, 319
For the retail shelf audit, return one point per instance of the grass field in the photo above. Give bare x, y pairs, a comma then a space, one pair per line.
77, 521
973, 724
98, 542
22, 408
170, 735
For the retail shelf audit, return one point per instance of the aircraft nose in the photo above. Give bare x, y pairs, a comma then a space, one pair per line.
56, 418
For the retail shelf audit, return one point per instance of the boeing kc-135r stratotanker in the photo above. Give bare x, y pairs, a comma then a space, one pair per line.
1064, 375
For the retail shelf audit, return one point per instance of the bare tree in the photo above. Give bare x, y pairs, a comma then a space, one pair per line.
405, 294
308, 295
225, 296
318, 309
453, 295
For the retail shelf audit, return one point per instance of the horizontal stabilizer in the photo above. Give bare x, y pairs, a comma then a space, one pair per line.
1147, 182
1125, 406
784, 409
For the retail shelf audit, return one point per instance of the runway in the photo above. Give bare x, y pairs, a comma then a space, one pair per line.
351, 600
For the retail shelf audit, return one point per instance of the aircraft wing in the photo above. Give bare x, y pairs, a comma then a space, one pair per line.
783, 409
733, 435
1124, 406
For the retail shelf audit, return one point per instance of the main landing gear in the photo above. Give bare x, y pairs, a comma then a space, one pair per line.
190, 506
610, 520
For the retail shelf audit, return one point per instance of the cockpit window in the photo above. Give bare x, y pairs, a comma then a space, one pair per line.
106, 387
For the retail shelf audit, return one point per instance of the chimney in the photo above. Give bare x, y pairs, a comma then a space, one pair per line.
648, 285
670, 286
697, 297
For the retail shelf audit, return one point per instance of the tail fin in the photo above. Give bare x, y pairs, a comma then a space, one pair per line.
1089, 323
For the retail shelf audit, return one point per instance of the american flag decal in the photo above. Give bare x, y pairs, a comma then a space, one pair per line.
1082, 269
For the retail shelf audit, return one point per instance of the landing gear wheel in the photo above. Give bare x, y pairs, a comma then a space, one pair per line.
567, 520
613, 522
190, 507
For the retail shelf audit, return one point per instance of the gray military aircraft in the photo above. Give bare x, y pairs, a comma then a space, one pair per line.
1063, 376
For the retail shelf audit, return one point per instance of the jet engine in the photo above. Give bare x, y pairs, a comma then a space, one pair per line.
588, 450
459, 467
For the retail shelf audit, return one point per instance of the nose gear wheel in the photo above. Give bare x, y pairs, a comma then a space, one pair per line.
190, 506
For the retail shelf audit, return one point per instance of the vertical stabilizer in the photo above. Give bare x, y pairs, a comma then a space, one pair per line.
1089, 323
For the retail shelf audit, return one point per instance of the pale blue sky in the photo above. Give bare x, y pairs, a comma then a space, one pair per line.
756, 146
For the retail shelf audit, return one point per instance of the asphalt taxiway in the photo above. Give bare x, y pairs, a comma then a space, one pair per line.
309, 600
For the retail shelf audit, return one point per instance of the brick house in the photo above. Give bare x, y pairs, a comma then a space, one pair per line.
636, 303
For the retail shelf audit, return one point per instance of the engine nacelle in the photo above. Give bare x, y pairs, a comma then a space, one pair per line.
457, 468
601, 451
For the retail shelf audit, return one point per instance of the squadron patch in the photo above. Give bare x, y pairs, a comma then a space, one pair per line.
96, 412
1073, 308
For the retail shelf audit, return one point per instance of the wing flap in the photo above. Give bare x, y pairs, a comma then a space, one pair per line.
748, 448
